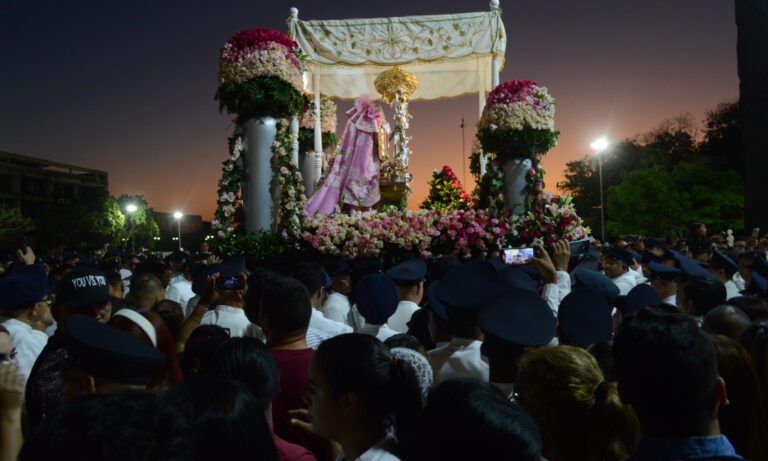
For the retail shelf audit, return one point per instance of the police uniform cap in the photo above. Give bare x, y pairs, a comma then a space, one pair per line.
596, 281
512, 277
338, 267
584, 318
437, 306
757, 286
108, 353
690, 268
470, 286
376, 298
23, 288
638, 297
519, 317
663, 272
721, 261
409, 272
620, 255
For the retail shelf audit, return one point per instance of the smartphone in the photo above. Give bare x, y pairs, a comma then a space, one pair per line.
518, 256
234, 282
580, 247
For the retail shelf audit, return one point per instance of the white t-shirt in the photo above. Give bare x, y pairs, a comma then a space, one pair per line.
383, 451
181, 292
461, 358
234, 320
328, 326
381, 332
399, 320
29, 343
337, 308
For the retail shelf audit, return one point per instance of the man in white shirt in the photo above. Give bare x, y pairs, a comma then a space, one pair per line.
464, 291
616, 264
664, 280
312, 277
230, 313
724, 269
337, 306
23, 298
409, 279
177, 262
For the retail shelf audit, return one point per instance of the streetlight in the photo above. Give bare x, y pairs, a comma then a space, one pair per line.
599, 145
131, 209
178, 215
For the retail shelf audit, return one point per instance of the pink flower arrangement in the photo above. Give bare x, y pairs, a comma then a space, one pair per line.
516, 105
550, 218
327, 115
465, 230
447, 171
260, 53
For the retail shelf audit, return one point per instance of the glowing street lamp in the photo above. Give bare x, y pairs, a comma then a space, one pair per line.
131, 209
599, 146
178, 215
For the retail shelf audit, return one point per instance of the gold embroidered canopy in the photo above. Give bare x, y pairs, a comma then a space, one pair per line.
449, 55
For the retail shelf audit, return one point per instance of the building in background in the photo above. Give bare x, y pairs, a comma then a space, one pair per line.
35, 185
193, 231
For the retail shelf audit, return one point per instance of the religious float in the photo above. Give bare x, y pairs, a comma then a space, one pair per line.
284, 148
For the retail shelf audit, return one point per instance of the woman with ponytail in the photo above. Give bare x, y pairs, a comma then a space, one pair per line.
362, 397
578, 413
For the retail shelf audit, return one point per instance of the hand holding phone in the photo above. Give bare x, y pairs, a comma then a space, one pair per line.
518, 256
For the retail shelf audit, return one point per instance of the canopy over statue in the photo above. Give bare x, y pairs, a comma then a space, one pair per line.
450, 55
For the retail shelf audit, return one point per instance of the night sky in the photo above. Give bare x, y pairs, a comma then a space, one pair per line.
127, 86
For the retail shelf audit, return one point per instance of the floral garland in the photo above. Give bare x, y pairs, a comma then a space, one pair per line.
464, 231
261, 53
446, 192
229, 189
288, 180
549, 219
327, 114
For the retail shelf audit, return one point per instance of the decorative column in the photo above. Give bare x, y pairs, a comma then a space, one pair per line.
259, 198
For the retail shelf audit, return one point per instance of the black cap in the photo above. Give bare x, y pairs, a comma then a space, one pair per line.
442, 266
512, 277
82, 287
690, 268
409, 272
109, 353
584, 318
720, 261
339, 267
376, 298
638, 297
757, 286
435, 304
620, 255
23, 288
519, 317
200, 277
471, 286
664, 272
593, 280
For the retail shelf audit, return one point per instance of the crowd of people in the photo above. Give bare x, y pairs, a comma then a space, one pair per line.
641, 349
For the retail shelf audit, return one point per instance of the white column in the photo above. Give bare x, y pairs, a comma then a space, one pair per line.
295, 134
318, 127
495, 72
481, 102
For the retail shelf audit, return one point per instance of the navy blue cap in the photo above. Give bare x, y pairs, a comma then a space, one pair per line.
596, 281
620, 255
109, 353
719, 260
364, 266
673, 254
470, 286
408, 272
442, 266
690, 268
638, 297
518, 316
584, 318
339, 267
198, 281
435, 304
663, 272
757, 286
649, 257
376, 298
234, 265
512, 277
23, 287
327, 281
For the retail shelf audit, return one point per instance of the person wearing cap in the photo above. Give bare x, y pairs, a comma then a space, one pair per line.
515, 321
724, 268
24, 300
664, 280
82, 291
105, 360
463, 292
376, 301
229, 313
312, 276
616, 264
337, 304
584, 318
409, 278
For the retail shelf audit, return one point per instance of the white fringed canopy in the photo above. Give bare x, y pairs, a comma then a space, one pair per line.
450, 55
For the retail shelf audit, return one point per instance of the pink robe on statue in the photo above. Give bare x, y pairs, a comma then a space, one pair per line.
354, 175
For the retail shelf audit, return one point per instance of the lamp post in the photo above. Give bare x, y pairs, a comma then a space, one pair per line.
131, 209
599, 145
178, 215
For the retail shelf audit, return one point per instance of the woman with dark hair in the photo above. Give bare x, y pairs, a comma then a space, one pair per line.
150, 328
577, 411
358, 392
462, 410
249, 361
743, 421
226, 420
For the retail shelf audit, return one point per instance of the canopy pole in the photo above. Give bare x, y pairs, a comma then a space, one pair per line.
495, 61
317, 169
480, 102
